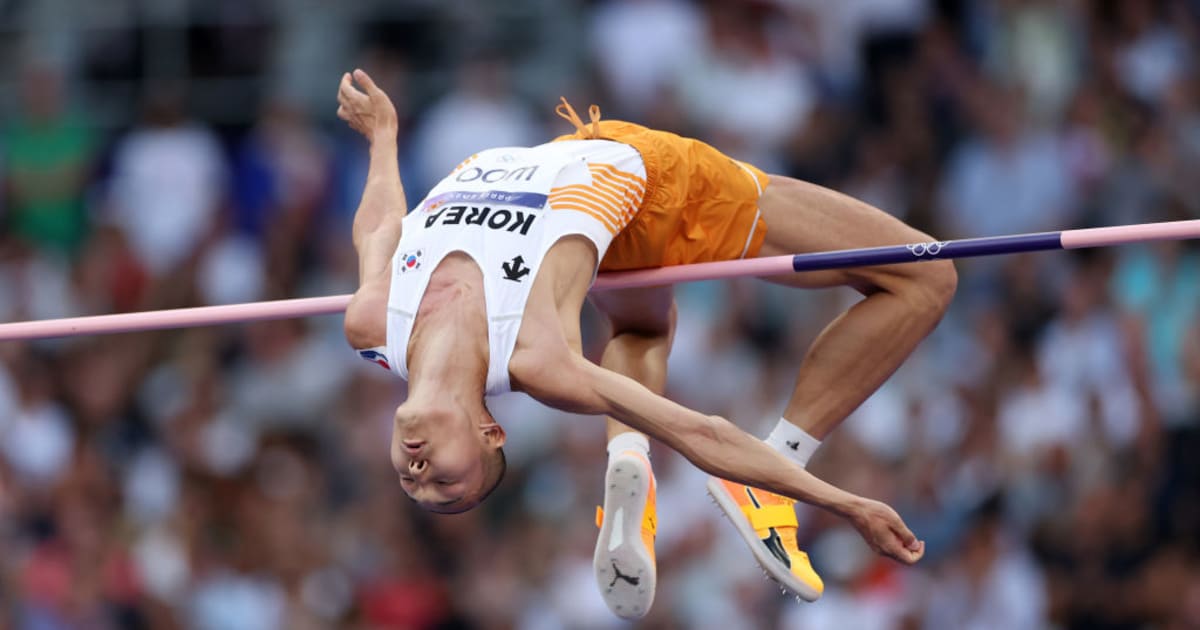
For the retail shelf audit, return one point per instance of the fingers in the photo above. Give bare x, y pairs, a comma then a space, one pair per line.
907, 538
365, 80
906, 551
348, 94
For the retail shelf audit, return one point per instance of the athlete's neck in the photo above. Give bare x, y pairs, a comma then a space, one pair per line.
449, 347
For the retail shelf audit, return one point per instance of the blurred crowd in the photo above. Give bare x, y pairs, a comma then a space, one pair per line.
1043, 441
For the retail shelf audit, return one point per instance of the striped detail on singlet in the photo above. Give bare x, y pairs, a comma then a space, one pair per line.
612, 197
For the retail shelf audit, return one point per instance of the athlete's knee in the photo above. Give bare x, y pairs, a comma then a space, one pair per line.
644, 311
647, 326
935, 283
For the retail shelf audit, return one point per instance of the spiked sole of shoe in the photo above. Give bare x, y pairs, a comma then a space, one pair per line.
624, 568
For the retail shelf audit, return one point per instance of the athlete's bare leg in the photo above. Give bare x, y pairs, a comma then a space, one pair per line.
643, 324
848, 361
860, 349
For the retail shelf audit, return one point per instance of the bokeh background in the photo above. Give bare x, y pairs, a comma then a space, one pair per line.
1045, 441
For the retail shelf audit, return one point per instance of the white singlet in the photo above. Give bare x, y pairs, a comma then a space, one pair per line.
505, 208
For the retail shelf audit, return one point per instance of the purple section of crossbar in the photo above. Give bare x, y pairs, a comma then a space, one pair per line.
177, 318
916, 252
779, 265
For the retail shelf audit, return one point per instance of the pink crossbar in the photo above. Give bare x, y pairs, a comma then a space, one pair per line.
176, 318
308, 307
775, 265
1121, 234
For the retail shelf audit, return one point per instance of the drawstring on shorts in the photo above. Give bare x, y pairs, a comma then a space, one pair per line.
567, 112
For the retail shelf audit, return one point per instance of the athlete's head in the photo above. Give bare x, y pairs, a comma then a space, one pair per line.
449, 457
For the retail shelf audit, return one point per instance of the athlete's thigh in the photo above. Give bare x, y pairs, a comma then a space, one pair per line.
803, 217
644, 310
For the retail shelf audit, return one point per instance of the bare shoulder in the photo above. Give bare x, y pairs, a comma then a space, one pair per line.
365, 323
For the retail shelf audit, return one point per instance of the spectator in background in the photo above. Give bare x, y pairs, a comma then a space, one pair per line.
48, 153
845, 32
748, 95
1083, 350
282, 181
37, 436
1150, 55
168, 183
641, 48
991, 582
1034, 45
1159, 286
1008, 177
480, 111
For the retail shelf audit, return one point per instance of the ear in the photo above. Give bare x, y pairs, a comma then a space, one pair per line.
493, 434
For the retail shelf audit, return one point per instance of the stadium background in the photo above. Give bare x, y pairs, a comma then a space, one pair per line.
1044, 441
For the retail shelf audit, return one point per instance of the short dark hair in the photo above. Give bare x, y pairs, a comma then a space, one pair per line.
500, 462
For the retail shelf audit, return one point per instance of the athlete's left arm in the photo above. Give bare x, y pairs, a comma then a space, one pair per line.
712, 443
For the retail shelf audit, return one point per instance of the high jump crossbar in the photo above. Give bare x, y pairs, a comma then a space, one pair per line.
768, 266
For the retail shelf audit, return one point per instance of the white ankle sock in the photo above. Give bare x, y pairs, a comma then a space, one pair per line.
795, 443
629, 442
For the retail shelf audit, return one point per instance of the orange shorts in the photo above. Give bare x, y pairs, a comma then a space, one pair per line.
699, 205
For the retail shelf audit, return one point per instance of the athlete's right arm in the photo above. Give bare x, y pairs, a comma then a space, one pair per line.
378, 220
715, 445
380, 214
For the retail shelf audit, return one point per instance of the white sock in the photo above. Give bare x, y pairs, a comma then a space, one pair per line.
629, 441
795, 443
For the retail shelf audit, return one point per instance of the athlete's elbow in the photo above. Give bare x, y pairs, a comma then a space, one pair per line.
555, 379
365, 321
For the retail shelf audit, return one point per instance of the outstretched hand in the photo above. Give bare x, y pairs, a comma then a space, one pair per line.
369, 111
885, 532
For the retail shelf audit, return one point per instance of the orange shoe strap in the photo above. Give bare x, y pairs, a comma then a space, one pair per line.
770, 516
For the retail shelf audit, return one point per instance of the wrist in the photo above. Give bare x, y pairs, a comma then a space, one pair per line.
848, 507
385, 135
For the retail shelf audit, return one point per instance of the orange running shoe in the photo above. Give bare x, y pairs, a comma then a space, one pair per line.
767, 522
624, 557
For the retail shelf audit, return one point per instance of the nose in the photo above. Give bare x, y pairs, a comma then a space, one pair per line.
417, 465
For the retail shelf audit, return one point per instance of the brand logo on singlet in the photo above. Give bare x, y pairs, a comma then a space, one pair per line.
377, 358
493, 175
509, 220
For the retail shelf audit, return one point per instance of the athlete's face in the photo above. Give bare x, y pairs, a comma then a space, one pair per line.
442, 458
